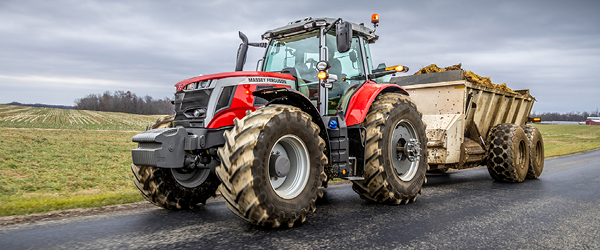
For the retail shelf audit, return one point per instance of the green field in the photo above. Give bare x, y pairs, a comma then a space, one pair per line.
30, 117
568, 139
52, 159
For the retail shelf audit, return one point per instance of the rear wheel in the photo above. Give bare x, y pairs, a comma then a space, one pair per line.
174, 189
272, 166
396, 151
536, 151
508, 153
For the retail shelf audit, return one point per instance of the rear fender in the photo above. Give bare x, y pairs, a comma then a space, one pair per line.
361, 100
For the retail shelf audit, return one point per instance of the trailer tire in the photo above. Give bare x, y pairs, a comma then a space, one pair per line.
250, 159
508, 153
393, 119
536, 151
161, 188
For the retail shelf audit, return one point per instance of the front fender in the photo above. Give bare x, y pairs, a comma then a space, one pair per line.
295, 98
361, 100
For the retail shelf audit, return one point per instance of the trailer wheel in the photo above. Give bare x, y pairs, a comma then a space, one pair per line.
396, 151
536, 151
171, 188
508, 153
272, 166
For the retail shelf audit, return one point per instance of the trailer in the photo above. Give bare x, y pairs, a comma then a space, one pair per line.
469, 125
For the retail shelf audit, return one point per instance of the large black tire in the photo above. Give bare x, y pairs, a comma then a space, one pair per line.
536, 151
161, 188
388, 123
508, 153
248, 183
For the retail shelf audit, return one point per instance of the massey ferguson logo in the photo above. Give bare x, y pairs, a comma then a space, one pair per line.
264, 79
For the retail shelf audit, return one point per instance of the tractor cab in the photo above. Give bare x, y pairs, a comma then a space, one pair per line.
295, 48
307, 47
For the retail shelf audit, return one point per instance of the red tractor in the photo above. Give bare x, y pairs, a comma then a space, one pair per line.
272, 139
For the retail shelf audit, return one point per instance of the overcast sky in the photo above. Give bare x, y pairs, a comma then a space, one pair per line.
54, 52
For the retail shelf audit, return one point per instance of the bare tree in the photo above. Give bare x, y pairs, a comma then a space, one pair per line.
126, 102
570, 116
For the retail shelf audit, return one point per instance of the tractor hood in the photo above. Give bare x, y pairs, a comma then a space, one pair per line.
181, 85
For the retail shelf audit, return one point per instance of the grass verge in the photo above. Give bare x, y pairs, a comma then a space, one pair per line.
44, 170
568, 139
39, 203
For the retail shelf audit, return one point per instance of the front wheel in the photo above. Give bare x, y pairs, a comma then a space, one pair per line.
174, 189
272, 166
396, 151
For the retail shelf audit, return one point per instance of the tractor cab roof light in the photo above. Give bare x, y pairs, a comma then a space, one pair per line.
375, 21
321, 23
375, 18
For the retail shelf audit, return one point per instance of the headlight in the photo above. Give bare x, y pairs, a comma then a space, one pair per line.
204, 84
199, 112
190, 86
322, 65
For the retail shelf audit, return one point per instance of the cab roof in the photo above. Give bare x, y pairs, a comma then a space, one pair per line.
309, 24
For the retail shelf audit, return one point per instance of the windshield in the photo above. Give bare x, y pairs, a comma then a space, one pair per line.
301, 53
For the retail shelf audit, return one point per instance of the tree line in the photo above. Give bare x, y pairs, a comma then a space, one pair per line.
40, 105
570, 116
126, 102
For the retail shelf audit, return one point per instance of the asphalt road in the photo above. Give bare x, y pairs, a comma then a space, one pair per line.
461, 210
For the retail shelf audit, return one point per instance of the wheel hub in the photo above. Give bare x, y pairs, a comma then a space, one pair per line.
407, 154
413, 150
190, 178
279, 165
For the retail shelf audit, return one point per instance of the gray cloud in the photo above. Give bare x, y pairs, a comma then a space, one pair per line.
56, 51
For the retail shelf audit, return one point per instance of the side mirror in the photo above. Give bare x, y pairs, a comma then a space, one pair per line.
343, 34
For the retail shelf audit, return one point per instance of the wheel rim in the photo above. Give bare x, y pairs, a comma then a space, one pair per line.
405, 150
190, 179
291, 185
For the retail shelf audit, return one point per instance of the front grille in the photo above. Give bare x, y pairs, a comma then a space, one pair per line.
188, 103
